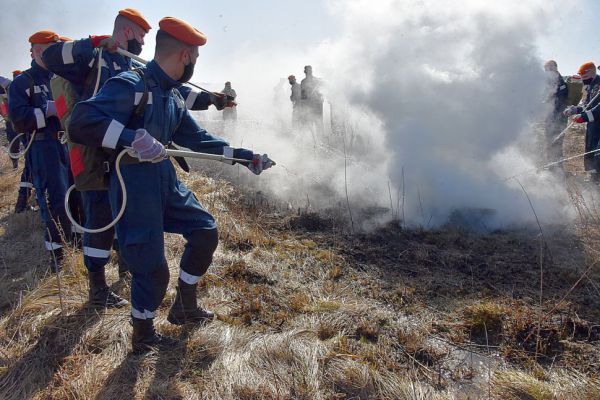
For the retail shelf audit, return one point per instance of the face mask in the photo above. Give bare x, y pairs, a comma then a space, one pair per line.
188, 71
133, 46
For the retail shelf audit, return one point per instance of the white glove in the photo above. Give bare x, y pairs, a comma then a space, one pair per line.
147, 148
569, 111
50, 108
260, 163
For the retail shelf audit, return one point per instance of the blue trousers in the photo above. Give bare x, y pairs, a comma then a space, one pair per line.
26, 179
157, 202
49, 168
97, 246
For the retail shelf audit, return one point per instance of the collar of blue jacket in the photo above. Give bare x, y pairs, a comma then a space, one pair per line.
162, 79
37, 71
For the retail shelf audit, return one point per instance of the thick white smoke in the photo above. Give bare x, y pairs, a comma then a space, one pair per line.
445, 92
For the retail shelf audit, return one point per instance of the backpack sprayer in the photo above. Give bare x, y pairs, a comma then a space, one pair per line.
169, 153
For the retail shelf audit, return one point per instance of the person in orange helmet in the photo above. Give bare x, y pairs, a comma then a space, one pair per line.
591, 88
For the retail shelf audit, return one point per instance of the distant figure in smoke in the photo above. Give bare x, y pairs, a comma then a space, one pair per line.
295, 98
557, 100
591, 88
230, 111
312, 100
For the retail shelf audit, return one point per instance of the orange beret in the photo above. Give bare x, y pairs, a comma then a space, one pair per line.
17, 72
43, 37
65, 39
182, 31
136, 17
586, 68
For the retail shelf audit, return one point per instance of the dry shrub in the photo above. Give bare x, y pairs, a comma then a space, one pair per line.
485, 319
561, 385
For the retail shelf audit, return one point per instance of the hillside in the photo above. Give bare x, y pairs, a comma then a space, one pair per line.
308, 310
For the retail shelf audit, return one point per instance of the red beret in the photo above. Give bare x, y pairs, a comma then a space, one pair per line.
65, 39
136, 17
182, 31
17, 72
43, 37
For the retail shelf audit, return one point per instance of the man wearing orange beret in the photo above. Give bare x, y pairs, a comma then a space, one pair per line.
157, 201
32, 109
591, 88
26, 184
78, 62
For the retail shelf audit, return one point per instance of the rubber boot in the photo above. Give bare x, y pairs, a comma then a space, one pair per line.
100, 295
185, 308
145, 338
21, 205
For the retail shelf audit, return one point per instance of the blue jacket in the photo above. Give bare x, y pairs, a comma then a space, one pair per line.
108, 119
591, 116
27, 110
75, 62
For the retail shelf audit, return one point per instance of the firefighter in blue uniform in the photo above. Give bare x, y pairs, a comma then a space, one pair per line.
31, 108
74, 62
591, 82
77, 62
26, 183
557, 101
157, 201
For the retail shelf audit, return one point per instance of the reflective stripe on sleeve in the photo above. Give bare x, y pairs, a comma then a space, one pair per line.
40, 119
590, 116
67, 53
113, 132
191, 99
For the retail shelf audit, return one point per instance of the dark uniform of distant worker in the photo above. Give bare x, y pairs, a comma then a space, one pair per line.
557, 101
157, 201
32, 109
591, 88
295, 98
230, 113
26, 183
74, 61
312, 100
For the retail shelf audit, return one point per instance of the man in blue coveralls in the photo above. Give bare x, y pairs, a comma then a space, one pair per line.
74, 61
26, 183
591, 88
31, 108
157, 201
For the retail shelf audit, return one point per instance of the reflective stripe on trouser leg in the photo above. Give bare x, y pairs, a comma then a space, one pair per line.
198, 253
96, 246
143, 314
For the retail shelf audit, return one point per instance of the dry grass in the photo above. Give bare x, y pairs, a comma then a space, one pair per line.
308, 312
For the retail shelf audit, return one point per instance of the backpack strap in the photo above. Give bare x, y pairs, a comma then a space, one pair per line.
31, 83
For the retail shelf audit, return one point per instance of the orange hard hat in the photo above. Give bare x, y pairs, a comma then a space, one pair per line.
586, 68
